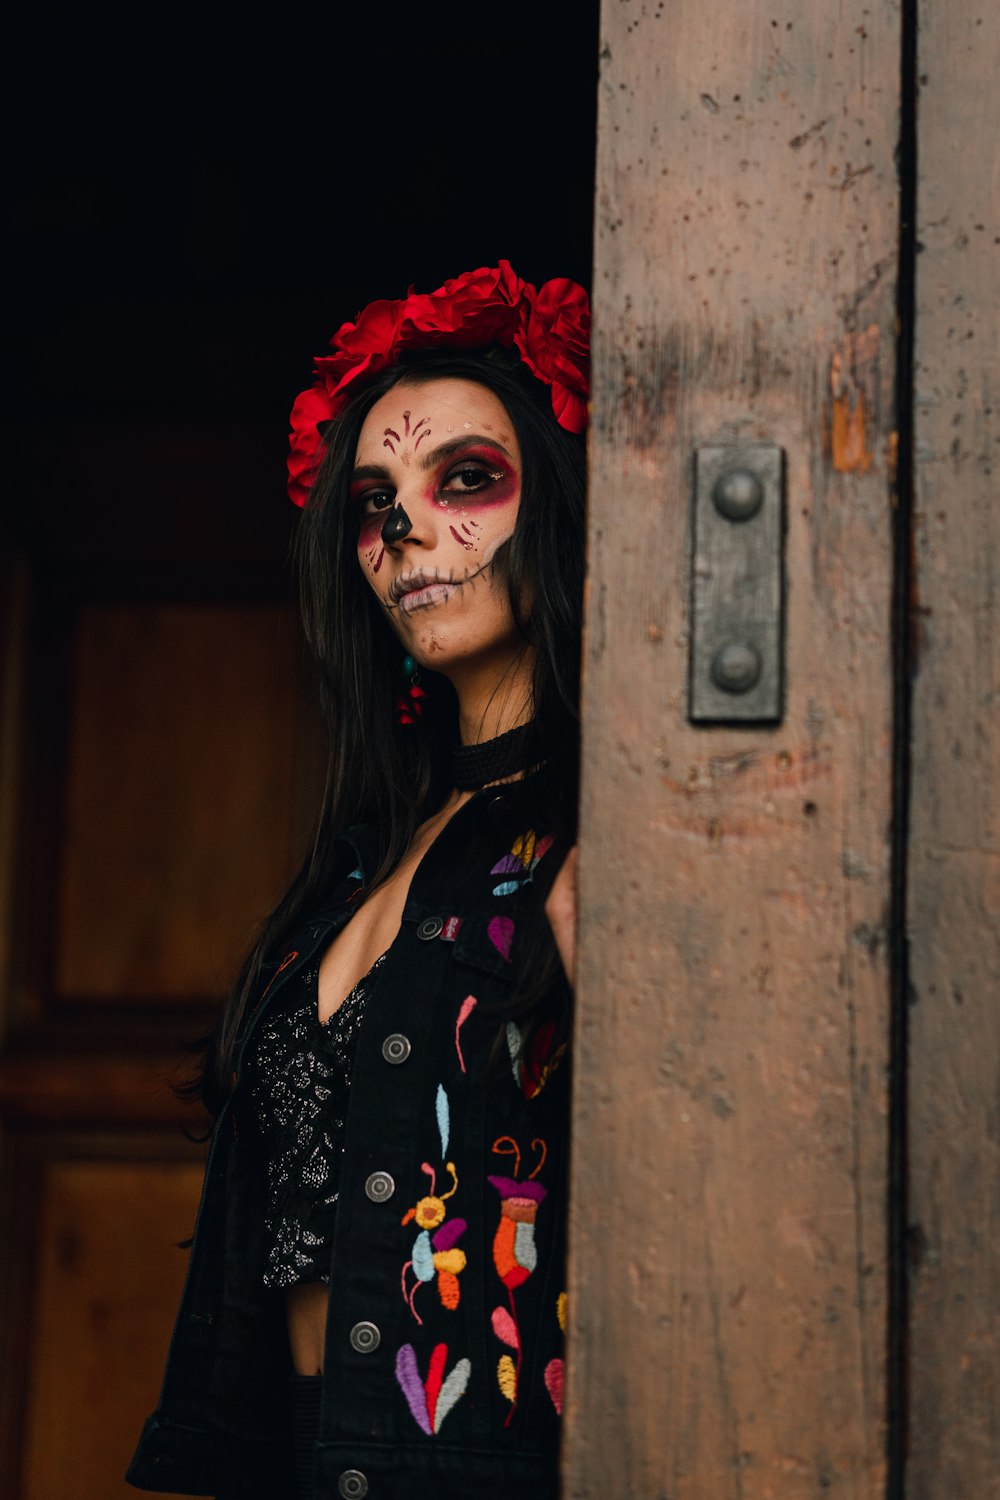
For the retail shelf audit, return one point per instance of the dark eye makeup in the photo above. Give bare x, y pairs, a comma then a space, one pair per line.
371, 500
471, 477
485, 478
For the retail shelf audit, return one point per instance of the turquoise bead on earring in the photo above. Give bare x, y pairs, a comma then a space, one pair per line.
409, 706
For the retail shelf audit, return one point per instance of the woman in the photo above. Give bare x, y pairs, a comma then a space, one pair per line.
377, 1266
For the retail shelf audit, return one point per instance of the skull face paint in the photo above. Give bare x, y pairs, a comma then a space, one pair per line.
434, 495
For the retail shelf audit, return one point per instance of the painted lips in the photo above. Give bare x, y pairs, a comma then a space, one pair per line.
431, 593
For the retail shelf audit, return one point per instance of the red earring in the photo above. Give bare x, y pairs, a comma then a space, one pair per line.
408, 704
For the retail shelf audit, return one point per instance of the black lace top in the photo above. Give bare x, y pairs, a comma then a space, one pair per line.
299, 1072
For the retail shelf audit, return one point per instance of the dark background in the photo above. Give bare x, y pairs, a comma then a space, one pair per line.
196, 203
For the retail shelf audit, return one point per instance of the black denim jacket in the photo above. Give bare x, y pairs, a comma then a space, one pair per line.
444, 1368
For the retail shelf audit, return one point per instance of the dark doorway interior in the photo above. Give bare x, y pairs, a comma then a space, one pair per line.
195, 207
194, 211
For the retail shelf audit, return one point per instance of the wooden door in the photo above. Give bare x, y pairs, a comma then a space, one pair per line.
156, 801
783, 1249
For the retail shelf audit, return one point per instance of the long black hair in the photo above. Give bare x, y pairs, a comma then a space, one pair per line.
394, 776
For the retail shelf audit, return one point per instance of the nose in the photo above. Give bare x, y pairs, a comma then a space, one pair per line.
411, 518
397, 525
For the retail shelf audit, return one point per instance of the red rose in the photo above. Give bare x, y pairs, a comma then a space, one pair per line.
554, 342
360, 348
550, 329
305, 442
473, 311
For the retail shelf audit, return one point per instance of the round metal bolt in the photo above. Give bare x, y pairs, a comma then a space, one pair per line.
736, 667
429, 928
738, 494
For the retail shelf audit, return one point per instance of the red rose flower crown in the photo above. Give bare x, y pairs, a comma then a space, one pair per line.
549, 327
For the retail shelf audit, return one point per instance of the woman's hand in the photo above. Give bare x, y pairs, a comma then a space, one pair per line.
560, 908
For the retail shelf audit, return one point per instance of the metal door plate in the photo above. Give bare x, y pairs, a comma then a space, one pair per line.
736, 665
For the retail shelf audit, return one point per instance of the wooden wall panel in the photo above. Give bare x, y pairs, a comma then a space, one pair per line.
159, 776
954, 867
182, 818
100, 1306
728, 1271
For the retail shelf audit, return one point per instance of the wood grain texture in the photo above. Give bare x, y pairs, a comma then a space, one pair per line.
108, 1279
97, 1088
181, 822
954, 866
728, 1272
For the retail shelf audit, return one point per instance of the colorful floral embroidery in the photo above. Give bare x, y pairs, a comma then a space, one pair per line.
468, 1006
533, 1065
524, 855
554, 1377
432, 1399
435, 1252
555, 1370
514, 1253
289, 958
507, 1377
443, 1114
501, 934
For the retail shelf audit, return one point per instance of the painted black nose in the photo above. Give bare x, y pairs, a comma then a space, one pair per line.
397, 524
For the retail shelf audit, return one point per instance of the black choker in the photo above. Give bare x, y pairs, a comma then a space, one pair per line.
474, 766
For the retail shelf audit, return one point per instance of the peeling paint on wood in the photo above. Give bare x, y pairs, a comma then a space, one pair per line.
849, 451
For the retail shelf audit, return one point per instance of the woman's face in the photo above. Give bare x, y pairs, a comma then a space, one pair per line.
436, 490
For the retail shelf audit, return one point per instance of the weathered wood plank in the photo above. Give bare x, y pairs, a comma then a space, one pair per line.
727, 1283
954, 867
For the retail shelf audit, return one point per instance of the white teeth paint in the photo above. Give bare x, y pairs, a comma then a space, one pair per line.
438, 591
433, 593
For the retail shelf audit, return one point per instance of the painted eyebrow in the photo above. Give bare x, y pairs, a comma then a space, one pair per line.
370, 471
432, 457
446, 450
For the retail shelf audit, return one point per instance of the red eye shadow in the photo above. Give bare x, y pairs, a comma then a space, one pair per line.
370, 530
499, 492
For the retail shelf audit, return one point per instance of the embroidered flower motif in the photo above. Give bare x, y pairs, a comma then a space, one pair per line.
549, 328
507, 1377
501, 935
432, 1399
534, 1064
555, 1373
468, 1006
554, 1377
436, 1253
524, 855
514, 1254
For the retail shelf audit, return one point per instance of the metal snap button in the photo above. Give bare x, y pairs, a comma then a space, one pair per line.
365, 1338
352, 1485
430, 927
396, 1048
380, 1187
